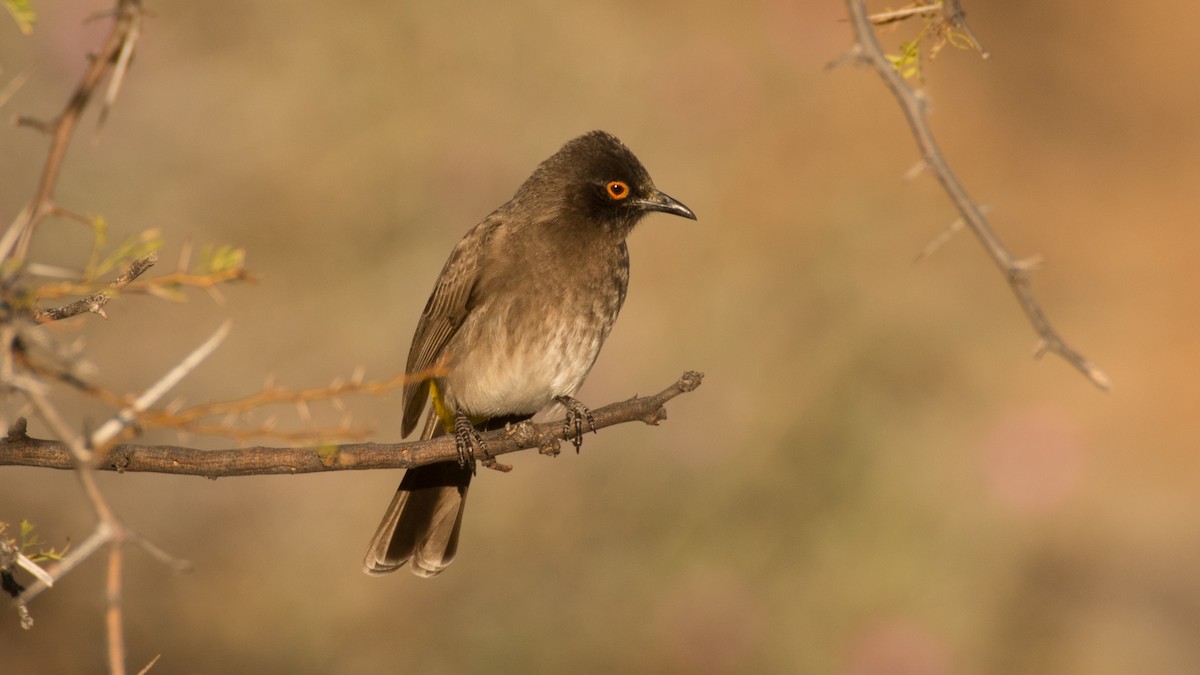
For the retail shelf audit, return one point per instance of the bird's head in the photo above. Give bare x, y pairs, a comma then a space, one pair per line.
596, 178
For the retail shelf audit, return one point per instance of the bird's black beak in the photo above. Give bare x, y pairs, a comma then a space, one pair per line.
661, 201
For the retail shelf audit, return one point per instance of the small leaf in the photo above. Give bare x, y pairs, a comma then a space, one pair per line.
328, 454
140, 244
22, 12
221, 259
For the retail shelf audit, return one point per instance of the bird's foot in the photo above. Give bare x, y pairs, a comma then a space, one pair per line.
577, 415
468, 441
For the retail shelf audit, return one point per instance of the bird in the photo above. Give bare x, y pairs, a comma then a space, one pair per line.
514, 324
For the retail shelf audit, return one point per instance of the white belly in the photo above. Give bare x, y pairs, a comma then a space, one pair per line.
505, 375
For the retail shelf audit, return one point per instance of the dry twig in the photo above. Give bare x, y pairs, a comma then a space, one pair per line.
95, 303
1016, 271
14, 244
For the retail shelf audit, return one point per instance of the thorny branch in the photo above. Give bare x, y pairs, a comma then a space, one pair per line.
95, 303
121, 39
110, 61
1016, 271
21, 450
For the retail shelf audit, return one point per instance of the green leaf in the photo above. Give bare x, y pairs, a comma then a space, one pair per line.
328, 454
135, 246
22, 12
220, 259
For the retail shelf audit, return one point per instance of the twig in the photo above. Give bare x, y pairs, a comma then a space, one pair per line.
954, 15
13, 85
882, 18
160, 286
33, 568
128, 414
22, 450
123, 59
78, 553
95, 303
150, 665
190, 419
112, 615
15, 242
1015, 271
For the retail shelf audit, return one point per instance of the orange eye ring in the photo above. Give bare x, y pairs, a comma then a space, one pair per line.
616, 189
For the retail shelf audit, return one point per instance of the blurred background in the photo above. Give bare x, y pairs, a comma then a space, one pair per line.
875, 478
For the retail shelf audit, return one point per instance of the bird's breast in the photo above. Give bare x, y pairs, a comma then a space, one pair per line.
526, 342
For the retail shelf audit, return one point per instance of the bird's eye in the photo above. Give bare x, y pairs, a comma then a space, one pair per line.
617, 190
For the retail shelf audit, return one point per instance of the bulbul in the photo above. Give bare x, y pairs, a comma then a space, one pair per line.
516, 320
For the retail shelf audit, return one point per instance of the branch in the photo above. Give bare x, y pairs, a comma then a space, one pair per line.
95, 303
21, 450
129, 413
1015, 271
15, 241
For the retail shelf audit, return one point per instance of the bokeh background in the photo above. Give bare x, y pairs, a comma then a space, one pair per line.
875, 477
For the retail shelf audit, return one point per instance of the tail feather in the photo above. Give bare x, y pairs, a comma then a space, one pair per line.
422, 523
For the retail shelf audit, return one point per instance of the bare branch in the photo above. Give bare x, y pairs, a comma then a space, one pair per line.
884, 18
95, 303
15, 241
21, 450
150, 665
78, 553
114, 426
191, 419
112, 615
13, 85
867, 50
123, 59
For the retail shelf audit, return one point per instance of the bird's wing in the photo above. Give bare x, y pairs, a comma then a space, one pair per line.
448, 306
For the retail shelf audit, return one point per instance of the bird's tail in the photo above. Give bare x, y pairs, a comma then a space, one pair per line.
421, 524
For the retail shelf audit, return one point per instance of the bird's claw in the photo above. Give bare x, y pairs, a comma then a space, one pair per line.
573, 423
466, 440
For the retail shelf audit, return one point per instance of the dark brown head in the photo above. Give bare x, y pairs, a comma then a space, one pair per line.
596, 179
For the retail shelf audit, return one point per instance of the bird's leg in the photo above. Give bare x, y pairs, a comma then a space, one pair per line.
577, 414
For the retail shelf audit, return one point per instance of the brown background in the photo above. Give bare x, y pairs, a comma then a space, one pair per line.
875, 476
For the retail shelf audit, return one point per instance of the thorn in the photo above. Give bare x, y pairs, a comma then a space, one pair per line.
185, 254
303, 411
1040, 348
1028, 264
217, 297
1098, 377
943, 237
854, 53
916, 170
